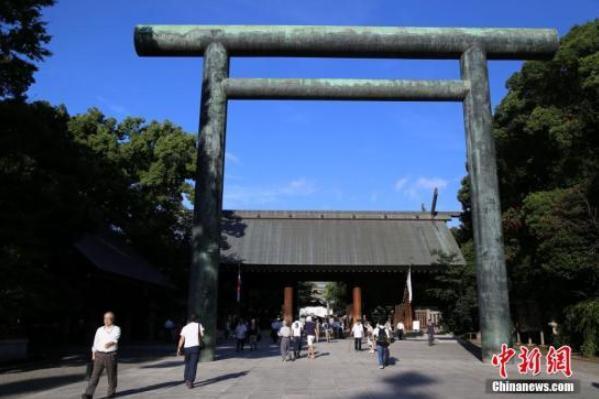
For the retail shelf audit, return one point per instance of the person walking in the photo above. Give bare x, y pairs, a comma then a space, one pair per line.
104, 356
310, 329
327, 330
317, 329
189, 346
285, 335
275, 326
296, 329
253, 332
358, 333
369, 337
240, 335
382, 337
400, 329
430, 331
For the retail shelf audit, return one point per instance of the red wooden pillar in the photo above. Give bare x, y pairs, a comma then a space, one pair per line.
288, 304
357, 303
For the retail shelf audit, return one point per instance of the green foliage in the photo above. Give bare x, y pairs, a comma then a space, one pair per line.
454, 291
306, 291
548, 161
335, 292
583, 319
62, 176
22, 39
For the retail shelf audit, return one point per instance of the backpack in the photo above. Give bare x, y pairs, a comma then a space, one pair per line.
382, 339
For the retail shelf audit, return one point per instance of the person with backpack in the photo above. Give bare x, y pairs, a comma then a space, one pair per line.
382, 338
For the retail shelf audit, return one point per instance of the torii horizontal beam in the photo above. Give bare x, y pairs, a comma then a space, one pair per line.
345, 41
345, 89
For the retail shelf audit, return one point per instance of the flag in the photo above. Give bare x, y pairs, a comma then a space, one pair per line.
409, 285
239, 283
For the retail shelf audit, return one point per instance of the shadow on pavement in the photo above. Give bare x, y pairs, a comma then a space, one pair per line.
264, 351
149, 388
470, 347
166, 364
220, 378
403, 386
170, 384
38, 384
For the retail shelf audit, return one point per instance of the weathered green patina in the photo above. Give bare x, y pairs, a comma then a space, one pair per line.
472, 46
203, 278
346, 89
344, 41
491, 277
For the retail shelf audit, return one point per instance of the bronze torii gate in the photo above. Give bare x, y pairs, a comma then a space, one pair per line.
473, 47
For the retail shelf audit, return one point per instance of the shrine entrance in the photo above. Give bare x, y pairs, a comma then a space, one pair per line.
266, 255
472, 46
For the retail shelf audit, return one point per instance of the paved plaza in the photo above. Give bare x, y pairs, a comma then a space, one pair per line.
418, 371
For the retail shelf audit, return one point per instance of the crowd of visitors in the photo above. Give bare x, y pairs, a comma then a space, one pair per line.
289, 335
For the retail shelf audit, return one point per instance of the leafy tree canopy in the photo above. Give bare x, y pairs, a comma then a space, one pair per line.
547, 141
22, 43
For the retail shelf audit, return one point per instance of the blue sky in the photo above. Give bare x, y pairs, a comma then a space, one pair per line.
292, 154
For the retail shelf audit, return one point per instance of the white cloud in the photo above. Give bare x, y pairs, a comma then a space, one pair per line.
112, 106
399, 184
298, 187
239, 196
414, 189
232, 158
431, 183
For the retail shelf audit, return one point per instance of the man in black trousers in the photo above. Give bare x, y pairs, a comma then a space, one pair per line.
189, 345
104, 356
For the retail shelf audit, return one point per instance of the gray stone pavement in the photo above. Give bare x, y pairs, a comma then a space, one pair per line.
445, 370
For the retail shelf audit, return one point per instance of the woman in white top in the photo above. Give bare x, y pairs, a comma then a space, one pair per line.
189, 345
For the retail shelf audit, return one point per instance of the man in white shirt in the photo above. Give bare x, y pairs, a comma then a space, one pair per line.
285, 333
104, 356
296, 328
358, 332
189, 345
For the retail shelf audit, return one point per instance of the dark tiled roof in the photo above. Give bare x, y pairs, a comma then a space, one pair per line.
356, 240
111, 255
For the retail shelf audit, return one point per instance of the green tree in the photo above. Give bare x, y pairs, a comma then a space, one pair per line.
548, 162
454, 290
22, 43
336, 294
62, 176
582, 323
